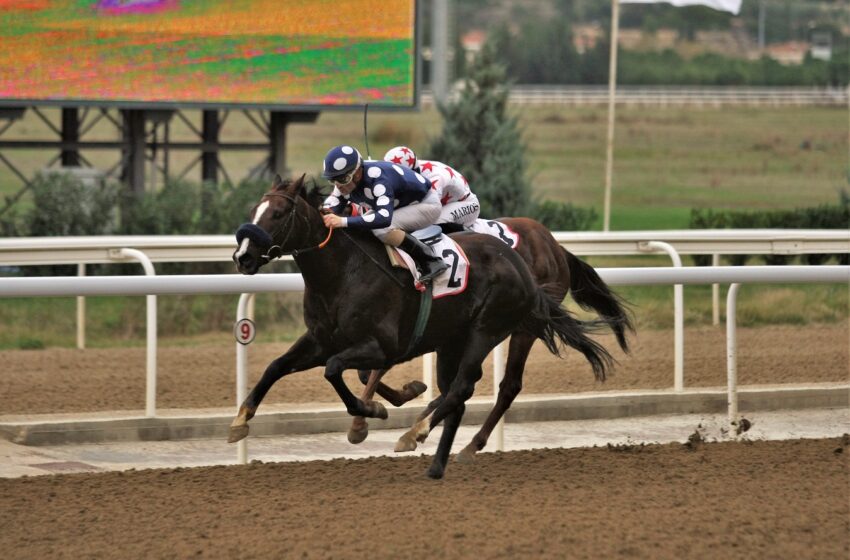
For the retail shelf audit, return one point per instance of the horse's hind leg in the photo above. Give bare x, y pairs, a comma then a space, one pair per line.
447, 367
511, 385
306, 353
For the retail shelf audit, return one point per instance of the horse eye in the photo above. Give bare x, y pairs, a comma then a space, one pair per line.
277, 214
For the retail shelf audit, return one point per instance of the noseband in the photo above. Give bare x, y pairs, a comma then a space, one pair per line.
266, 241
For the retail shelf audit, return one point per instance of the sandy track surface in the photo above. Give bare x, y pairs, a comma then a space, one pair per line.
70, 380
777, 499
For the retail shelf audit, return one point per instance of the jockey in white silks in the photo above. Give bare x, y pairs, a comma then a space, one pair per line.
393, 200
460, 205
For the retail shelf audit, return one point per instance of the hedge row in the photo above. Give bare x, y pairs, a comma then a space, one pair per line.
62, 205
826, 216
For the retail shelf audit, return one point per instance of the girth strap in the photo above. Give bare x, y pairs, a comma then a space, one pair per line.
422, 318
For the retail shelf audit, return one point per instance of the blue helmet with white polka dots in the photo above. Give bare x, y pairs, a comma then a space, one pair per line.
340, 161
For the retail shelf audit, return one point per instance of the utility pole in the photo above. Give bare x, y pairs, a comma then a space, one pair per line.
439, 48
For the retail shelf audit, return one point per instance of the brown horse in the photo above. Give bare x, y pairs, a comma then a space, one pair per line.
360, 314
559, 272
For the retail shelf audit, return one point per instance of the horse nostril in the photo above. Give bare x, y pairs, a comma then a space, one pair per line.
246, 260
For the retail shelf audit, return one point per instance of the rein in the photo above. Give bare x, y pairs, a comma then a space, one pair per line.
276, 251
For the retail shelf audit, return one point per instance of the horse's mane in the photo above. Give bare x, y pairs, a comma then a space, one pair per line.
309, 191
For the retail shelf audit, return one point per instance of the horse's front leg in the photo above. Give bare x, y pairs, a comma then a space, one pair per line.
306, 353
359, 427
362, 356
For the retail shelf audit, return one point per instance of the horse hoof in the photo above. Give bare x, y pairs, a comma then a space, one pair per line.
405, 443
237, 433
358, 436
414, 389
435, 472
466, 456
379, 411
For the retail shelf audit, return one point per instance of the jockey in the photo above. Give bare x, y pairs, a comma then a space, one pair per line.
394, 200
460, 205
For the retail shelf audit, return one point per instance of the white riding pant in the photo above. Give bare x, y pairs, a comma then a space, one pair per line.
414, 216
463, 212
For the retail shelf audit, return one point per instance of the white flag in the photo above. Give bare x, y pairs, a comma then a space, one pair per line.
733, 6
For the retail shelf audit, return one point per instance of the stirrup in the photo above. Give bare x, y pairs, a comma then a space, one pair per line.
436, 269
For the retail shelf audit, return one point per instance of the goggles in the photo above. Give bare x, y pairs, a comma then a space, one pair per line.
343, 180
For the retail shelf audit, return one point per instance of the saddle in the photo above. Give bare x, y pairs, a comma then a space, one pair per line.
453, 280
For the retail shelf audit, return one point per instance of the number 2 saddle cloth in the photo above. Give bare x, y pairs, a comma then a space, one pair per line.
453, 280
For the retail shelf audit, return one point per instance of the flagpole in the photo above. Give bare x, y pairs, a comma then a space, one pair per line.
612, 87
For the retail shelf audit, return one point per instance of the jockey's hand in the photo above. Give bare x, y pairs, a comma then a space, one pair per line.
332, 221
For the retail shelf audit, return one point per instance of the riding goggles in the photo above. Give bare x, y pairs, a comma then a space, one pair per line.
343, 179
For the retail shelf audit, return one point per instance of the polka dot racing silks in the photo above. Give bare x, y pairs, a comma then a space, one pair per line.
383, 188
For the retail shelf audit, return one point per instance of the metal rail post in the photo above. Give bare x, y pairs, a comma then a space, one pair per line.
242, 312
498, 375
678, 315
428, 376
81, 312
732, 357
150, 362
715, 294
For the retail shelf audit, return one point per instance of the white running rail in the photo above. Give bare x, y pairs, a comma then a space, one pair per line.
235, 284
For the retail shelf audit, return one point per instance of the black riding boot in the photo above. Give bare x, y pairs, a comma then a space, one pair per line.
428, 265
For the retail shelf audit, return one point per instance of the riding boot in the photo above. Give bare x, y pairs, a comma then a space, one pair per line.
451, 227
428, 264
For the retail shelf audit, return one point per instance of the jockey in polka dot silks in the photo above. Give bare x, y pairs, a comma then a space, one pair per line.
393, 199
460, 205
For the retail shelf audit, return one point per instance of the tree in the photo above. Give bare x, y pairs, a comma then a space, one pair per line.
483, 142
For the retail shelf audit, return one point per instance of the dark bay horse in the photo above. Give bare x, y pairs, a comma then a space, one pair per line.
360, 313
560, 272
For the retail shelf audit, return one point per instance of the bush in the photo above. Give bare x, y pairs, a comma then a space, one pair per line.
29, 343
63, 205
825, 216
562, 216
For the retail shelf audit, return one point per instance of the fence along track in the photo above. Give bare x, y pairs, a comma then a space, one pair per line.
662, 96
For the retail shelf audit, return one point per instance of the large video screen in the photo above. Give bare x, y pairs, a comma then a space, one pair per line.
184, 53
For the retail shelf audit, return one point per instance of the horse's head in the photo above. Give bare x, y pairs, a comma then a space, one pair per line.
278, 224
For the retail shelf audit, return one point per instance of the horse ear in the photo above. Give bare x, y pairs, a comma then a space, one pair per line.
277, 182
297, 186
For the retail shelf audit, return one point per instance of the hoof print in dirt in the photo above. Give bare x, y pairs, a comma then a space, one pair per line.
694, 441
744, 425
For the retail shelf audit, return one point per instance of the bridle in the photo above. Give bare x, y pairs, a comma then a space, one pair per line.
274, 251
267, 240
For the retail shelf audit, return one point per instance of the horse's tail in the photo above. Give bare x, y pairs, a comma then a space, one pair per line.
591, 292
557, 327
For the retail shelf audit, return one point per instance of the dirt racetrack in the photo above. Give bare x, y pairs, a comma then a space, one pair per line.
777, 499
70, 380
758, 499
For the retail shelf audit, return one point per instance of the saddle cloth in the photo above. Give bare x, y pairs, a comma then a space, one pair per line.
499, 230
451, 281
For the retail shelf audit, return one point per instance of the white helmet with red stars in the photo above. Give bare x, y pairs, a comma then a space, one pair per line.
401, 155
